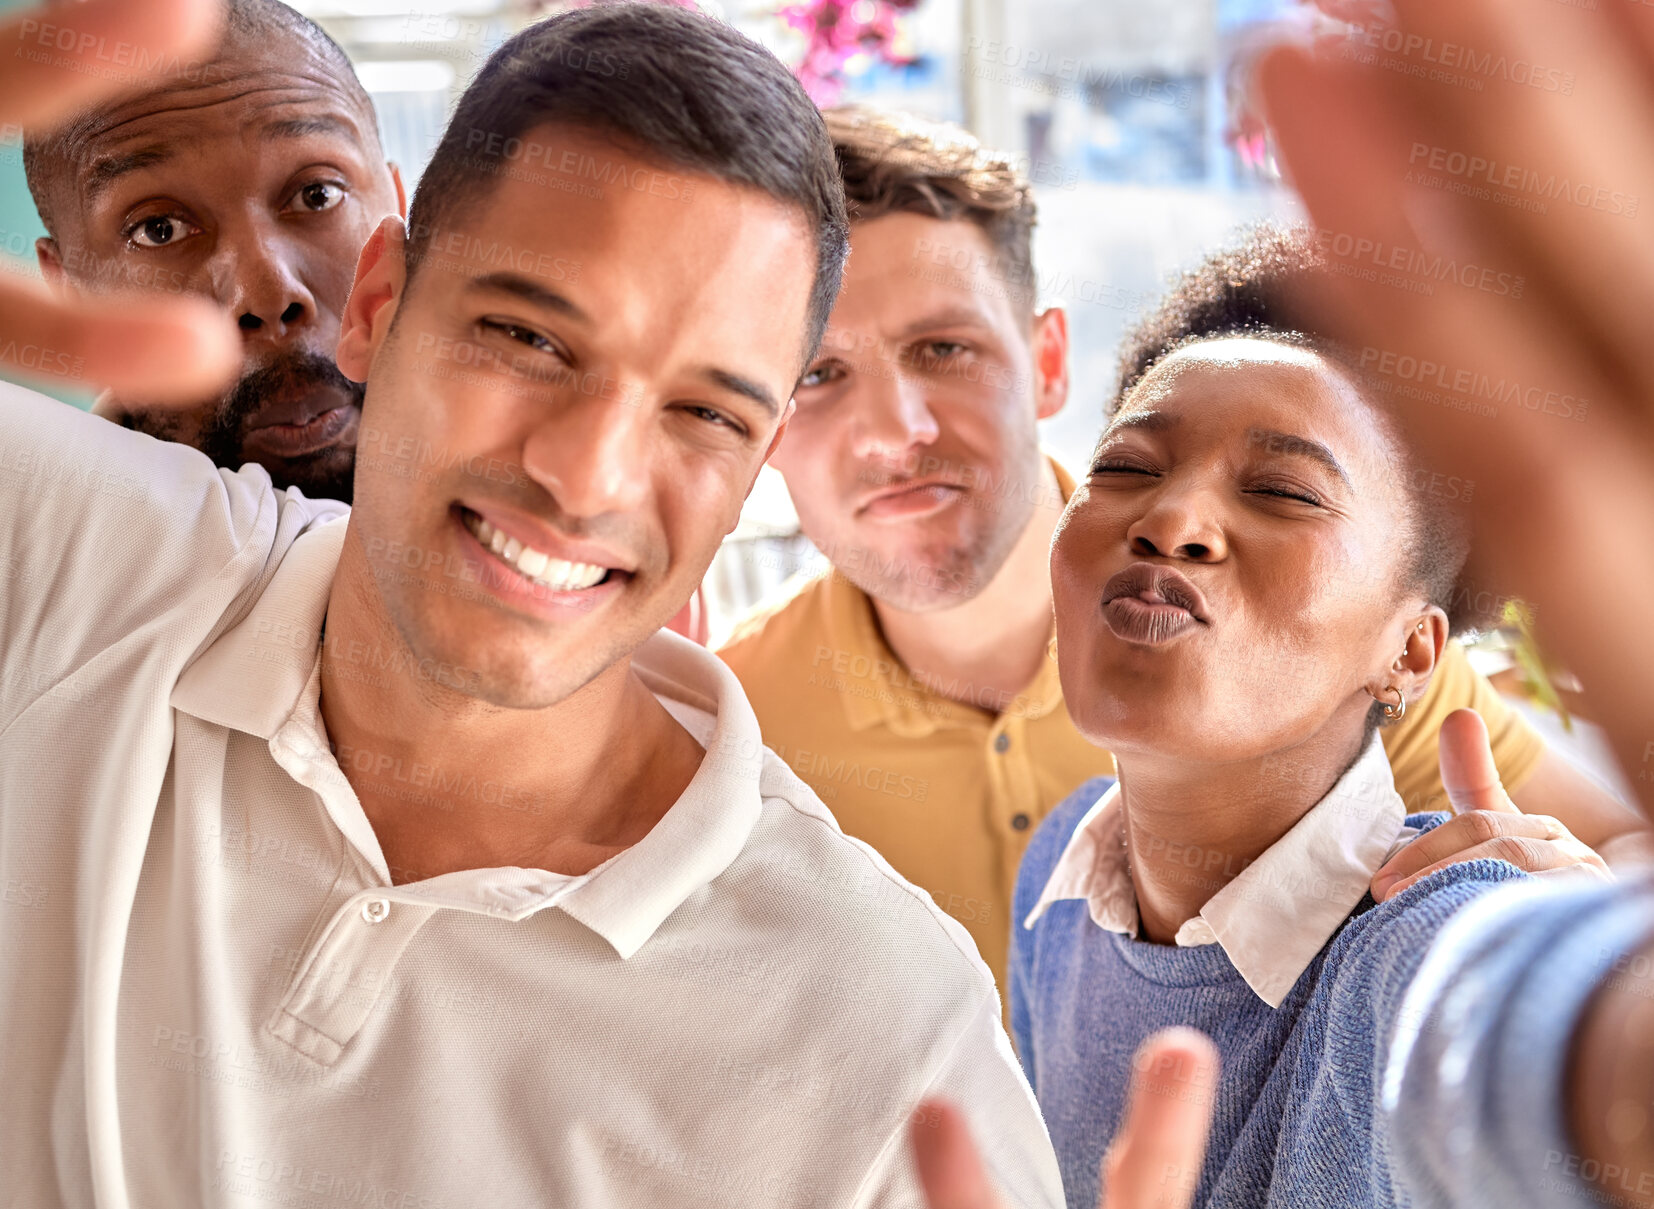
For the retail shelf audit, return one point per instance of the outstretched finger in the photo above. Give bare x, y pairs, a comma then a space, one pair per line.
163, 350
950, 1172
1468, 771
1155, 1159
61, 58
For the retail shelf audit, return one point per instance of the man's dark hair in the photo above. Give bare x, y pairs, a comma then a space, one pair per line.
678, 87
1257, 288
894, 162
47, 153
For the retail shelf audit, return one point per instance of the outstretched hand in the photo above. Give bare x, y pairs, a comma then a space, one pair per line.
59, 59
1154, 1161
1487, 823
1528, 373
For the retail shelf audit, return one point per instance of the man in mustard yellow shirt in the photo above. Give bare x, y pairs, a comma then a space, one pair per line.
913, 687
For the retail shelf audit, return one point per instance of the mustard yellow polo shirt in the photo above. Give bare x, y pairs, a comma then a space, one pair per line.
950, 794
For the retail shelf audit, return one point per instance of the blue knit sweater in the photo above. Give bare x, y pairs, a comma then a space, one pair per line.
1297, 1123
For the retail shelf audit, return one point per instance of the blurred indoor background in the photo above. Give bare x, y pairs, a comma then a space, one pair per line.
1130, 117
1123, 113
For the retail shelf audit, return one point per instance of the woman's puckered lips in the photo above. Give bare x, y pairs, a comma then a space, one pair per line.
1154, 584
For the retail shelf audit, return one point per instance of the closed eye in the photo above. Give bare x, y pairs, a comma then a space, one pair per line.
1116, 467
1288, 493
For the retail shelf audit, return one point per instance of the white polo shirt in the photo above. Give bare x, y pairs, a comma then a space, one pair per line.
211, 994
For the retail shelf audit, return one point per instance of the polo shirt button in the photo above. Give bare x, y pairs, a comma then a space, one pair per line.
1019, 821
1002, 742
375, 910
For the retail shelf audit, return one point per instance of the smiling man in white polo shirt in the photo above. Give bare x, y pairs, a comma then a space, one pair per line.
394, 857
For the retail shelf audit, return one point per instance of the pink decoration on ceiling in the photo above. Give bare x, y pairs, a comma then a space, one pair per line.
842, 37
539, 8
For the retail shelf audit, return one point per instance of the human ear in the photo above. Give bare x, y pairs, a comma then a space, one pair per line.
401, 192
51, 263
775, 440
1423, 638
381, 275
1050, 341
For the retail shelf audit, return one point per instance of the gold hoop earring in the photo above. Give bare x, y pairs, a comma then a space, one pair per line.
1398, 711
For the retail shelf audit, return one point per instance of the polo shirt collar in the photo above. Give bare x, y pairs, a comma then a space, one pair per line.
628, 898
892, 696
1282, 909
896, 698
255, 677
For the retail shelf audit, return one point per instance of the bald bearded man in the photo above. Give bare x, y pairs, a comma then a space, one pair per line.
252, 179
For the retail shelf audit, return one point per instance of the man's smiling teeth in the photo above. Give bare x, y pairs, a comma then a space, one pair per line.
543, 569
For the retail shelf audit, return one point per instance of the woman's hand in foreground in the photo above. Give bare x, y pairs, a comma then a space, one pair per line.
160, 348
1487, 823
1154, 1161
